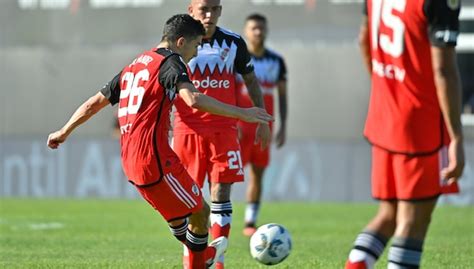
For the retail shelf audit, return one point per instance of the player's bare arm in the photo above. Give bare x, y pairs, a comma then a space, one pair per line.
195, 99
283, 108
263, 133
255, 93
83, 113
448, 89
364, 44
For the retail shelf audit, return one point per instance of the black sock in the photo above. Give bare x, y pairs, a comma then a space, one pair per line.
180, 231
405, 253
196, 242
368, 247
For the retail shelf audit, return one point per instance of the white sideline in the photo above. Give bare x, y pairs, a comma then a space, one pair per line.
46, 226
465, 42
467, 13
467, 119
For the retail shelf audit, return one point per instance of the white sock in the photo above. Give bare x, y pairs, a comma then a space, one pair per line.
251, 213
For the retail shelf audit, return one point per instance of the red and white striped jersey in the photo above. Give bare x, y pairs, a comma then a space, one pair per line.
213, 73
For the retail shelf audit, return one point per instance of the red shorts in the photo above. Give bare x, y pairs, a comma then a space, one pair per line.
251, 152
404, 177
176, 196
216, 154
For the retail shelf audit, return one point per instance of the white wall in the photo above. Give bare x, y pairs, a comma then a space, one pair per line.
304, 170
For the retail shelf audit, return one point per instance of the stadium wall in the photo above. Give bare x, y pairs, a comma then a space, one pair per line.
56, 53
304, 170
328, 88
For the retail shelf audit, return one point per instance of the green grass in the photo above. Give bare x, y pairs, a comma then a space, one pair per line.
129, 234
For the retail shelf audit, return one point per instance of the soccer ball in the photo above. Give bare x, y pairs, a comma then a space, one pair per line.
270, 244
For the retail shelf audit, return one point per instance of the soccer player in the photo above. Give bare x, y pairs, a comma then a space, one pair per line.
208, 144
270, 70
145, 90
414, 111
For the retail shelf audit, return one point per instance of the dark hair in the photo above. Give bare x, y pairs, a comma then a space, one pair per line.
256, 17
182, 25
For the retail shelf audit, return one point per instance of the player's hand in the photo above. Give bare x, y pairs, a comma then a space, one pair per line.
263, 135
256, 114
455, 162
56, 138
280, 138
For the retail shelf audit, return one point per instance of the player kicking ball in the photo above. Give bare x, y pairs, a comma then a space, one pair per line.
145, 90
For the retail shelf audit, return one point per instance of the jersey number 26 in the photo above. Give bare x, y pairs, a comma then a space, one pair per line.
133, 93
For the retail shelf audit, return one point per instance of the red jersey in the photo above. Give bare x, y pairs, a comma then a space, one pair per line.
404, 114
145, 91
213, 73
270, 69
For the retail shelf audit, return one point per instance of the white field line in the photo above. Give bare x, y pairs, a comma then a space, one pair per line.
45, 226
343, 2
465, 42
467, 119
467, 13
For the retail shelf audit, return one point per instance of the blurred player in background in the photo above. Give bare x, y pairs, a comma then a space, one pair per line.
270, 70
208, 144
414, 111
145, 91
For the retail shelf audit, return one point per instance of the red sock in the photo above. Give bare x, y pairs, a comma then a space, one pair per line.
209, 253
218, 231
355, 265
197, 259
197, 245
221, 219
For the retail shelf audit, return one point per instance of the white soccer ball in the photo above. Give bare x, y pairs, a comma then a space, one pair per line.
270, 244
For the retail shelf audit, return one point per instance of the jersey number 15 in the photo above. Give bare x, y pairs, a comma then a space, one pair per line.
382, 10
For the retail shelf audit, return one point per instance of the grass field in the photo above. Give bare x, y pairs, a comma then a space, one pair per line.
128, 234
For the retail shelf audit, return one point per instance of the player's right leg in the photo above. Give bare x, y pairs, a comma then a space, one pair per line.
258, 159
254, 193
190, 150
194, 235
370, 243
177, 197
418, 187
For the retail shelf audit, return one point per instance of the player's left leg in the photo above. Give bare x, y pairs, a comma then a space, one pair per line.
176, 196
221, 213
413, 219
254, 193
418, 187
224, 169
196, 236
